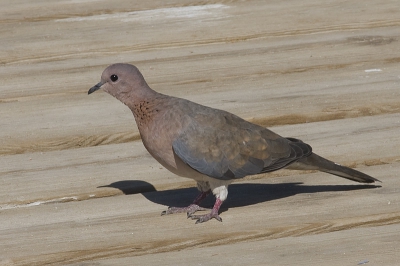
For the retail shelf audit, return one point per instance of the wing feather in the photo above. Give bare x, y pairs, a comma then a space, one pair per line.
228, 147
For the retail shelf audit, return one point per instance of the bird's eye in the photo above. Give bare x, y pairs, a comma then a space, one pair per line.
114, 78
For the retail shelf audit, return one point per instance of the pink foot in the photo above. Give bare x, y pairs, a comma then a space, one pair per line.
206, 217
192, 208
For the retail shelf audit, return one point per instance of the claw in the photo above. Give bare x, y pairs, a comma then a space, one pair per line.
206, 217
209, 216
189, 210
193, 210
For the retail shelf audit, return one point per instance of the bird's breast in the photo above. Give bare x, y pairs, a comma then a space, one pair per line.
144, 112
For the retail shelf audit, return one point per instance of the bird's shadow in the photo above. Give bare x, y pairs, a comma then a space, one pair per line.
239, 194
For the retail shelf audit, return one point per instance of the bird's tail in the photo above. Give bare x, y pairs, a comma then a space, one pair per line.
316, 162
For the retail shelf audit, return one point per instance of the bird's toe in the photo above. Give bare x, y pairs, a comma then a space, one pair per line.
206, 217
191, 209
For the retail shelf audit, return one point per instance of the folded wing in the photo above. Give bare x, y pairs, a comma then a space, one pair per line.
224, 146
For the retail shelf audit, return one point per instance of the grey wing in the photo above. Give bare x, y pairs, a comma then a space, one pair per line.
298, 150
230, 147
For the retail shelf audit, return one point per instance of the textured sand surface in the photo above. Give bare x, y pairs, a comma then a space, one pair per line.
77, 186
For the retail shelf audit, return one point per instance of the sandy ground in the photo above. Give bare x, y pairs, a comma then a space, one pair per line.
78, 188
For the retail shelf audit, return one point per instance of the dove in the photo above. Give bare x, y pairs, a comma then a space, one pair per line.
211, 146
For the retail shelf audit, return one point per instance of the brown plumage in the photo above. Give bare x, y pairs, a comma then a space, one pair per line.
211, 146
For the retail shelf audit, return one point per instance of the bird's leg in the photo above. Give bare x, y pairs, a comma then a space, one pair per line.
200, 197
192, 208
209, 216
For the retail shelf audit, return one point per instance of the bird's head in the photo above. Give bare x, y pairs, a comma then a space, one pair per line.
121, 81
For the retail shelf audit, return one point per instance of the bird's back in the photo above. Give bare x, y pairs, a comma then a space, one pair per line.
214, 142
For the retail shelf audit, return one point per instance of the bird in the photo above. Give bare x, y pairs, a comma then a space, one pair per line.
211, 146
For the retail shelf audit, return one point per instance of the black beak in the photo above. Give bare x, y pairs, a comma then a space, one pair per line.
95, 87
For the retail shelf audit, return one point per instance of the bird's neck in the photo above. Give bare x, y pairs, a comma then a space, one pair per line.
143, 105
